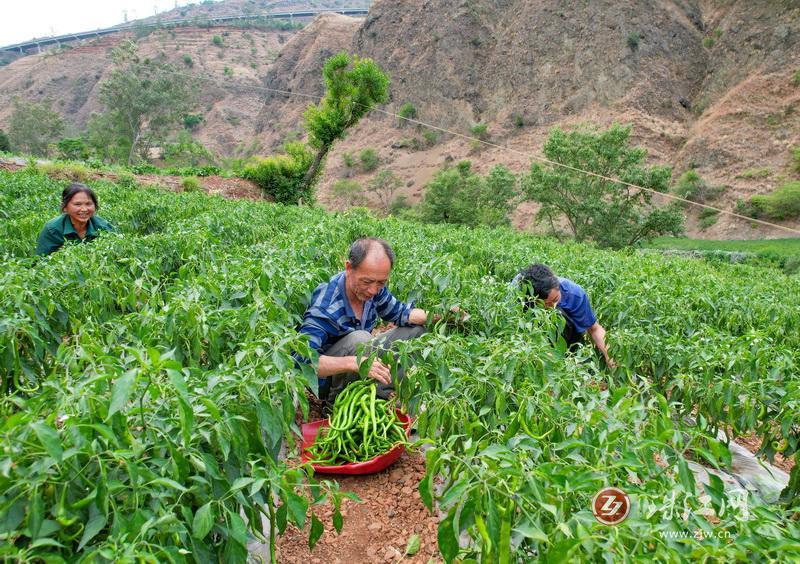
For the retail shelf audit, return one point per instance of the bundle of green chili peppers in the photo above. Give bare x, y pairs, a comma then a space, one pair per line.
362, 426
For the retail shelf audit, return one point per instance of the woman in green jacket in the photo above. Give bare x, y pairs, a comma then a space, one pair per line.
77, 224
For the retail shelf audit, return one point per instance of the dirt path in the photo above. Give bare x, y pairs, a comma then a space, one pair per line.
376, 530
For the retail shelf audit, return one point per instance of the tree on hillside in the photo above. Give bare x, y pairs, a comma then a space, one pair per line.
458, 195
33, 126
145, 101
611, 214
384, 185
353, 86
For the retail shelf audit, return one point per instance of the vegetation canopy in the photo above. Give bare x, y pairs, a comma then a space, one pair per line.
609, 213
148, 382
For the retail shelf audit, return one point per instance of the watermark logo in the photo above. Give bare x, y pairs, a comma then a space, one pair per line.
611, 506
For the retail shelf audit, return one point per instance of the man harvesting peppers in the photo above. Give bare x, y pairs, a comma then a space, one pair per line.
543, 287
344, 310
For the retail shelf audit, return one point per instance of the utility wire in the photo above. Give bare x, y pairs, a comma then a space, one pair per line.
512, 150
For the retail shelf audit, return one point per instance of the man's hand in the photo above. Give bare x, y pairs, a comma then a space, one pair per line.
454, 315
598, 336
332, 365
417, 316
380, 372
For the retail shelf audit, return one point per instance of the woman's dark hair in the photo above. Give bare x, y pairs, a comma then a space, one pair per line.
75, 188
539, 279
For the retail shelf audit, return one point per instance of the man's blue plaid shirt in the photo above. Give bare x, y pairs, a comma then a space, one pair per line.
330, 316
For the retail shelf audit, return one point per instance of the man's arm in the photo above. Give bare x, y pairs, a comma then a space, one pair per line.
598, 336
331, 365
317, 327
391, 309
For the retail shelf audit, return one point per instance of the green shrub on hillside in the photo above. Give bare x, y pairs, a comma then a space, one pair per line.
72, 172
755, 173
348, 193
368, 159
281, 176
431, 137
406, 111
383, 185
191, 184
692, 187
33, 126
190, 121
479, 130
783, 203
74, 149
708, 218
458, 195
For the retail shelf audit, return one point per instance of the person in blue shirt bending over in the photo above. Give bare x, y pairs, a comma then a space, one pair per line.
343, 312
543, 287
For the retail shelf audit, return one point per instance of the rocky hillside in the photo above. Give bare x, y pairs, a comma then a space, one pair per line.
705, 83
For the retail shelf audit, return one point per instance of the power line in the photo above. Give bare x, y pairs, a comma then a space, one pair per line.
516, 151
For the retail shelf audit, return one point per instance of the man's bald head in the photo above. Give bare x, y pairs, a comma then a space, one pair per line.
369, 246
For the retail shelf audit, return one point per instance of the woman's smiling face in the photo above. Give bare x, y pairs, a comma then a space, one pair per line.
80, 208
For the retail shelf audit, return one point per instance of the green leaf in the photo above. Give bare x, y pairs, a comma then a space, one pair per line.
425, 492
203, 521
49, 439
413, 544
270, 421
177, 380
530, 530
685, 476
316, 531
47, 542
121, 392
238, 528
168, 483
454, 492
241, 483
281, 517
337, 521
448, 542
257, 485
36, 514
297, 507
94, 526
716, 491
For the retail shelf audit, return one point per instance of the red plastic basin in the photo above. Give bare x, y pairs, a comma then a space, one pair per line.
371, 466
